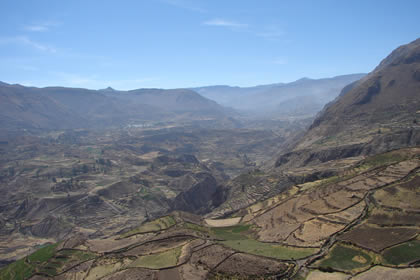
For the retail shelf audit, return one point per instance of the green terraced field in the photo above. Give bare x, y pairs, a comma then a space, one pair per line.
166, 259
403, 253
240, 238
269, 250
231, 233
23, 268
62, 258
345, 258
155, 225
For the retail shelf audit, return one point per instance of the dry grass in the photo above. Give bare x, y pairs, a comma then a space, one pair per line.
380, 272
153, 226
223, 222
318, 275
378, 238
156, 261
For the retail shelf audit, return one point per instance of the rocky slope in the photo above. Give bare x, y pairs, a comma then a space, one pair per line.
381, 112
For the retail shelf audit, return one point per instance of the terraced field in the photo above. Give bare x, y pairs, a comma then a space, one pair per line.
24, 268
153, 226
346, 258
331, 229
403, 254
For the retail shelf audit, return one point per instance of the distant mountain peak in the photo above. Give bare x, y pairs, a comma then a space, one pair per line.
108, 89
303, 79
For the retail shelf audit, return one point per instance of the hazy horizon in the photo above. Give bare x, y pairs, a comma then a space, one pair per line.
187, 87
181, 43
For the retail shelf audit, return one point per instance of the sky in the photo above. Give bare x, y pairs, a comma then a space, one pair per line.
189, 43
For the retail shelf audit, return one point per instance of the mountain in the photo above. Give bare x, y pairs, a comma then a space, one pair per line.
173, 100
70, 108
342, 203
379, 113
283, 99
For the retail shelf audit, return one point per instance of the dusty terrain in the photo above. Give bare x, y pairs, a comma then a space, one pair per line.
99, 183
323, 226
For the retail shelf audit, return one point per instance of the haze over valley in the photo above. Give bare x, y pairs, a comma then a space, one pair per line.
209, 140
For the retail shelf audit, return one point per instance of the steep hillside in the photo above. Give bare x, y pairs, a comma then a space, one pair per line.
376, 114
379, 113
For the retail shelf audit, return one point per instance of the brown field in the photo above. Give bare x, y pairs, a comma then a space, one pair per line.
169, 274
106, 266
157, 247
380, 272
210, 256
247, 265
412, 184
189, 271
110, 244
347, 215
404, 196
132, 273
79, 272
318, 275
296, 217
222, 222
313, 233
378, 238
385, 217
311, 217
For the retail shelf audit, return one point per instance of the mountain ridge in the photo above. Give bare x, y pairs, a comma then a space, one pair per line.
270, 99
373, 115
64, 108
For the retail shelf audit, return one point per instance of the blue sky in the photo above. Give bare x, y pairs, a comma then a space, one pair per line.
185, 43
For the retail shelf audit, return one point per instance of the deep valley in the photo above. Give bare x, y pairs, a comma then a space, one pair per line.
314, 179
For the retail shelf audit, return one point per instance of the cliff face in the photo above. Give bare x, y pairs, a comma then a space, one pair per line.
403, 137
